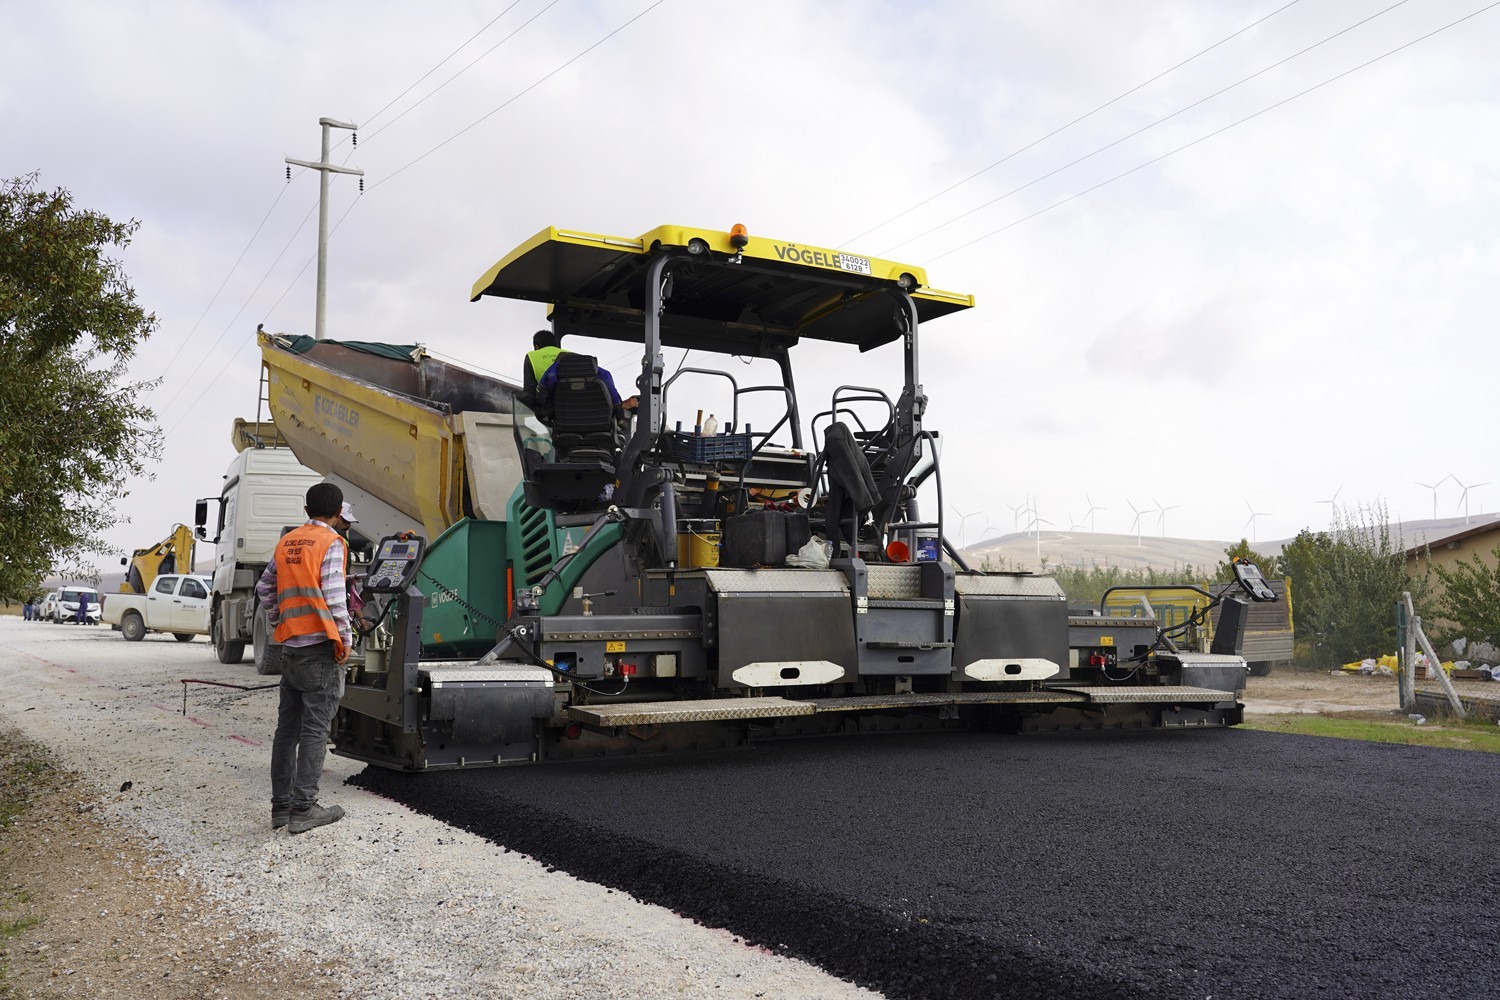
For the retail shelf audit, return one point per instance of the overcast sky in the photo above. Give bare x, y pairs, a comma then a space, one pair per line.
1301, 304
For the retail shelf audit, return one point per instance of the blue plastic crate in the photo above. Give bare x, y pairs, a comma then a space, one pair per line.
707, 447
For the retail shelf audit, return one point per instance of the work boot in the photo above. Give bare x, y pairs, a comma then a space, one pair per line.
313, 816
280, 816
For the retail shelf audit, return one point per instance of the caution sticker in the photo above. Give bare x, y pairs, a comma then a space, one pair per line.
1106, 640
615, 646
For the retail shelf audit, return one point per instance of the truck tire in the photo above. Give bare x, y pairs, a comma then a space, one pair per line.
267, 651
1260, 668
184, 636
132, 627
227, 652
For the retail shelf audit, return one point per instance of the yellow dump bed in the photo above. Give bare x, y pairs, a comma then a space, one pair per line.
430, 439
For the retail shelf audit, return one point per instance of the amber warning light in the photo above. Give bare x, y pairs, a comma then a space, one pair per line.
738, 236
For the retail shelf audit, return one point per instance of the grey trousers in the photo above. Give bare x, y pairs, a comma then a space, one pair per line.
311, 686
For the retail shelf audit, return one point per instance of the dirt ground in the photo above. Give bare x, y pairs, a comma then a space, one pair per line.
1318, 692
87, 910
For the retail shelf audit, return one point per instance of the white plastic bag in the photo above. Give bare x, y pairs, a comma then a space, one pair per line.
813, 555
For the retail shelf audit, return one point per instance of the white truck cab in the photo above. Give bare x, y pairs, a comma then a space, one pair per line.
264, 492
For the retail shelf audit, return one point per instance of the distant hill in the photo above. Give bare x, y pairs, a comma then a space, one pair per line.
1027, 551
1036, 553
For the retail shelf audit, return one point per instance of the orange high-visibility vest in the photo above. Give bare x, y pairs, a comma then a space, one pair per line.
299, 583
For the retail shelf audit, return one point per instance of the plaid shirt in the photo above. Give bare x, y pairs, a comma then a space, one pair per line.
335, 594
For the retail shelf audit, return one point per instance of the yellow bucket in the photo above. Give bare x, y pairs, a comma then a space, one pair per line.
698, 544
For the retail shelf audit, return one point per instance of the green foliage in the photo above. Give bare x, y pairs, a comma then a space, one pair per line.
72, 427
1085, 587
1480, 736
1269, 566
1469, 602
1347, 581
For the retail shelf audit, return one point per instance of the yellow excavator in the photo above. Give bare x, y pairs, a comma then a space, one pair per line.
172, 554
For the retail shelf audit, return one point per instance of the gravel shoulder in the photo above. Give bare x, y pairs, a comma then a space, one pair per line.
387, 903
1318, 692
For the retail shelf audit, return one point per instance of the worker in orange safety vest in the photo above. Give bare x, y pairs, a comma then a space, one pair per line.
304, 590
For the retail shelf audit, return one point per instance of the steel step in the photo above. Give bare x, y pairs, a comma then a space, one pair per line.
1138, 694
654, 713
881, 701
660, 713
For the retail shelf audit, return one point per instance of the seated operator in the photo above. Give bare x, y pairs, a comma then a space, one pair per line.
540, 377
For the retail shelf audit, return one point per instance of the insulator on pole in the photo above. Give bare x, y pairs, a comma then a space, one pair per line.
354, 139
289, 172
361, 185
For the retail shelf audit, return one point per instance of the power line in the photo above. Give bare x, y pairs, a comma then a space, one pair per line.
518, 96
340, 222
455, 76
1144, 128
234, 267
230, 325
1218, 131
1075, 121
386, 107
290, 285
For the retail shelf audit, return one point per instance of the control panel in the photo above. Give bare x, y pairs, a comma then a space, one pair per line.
394, 567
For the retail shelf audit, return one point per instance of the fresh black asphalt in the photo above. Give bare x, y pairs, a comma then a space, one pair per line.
1218, 864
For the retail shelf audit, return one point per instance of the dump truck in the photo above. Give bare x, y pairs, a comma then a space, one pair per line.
263, 494
1269, 637
571, 579
172, 554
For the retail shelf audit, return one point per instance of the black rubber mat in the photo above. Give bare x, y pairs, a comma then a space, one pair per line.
1197, 864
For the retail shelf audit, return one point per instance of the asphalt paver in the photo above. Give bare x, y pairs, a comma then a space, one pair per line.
1203, 864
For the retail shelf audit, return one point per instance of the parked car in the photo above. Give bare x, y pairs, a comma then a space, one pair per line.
176, 603
48, 608
65, 609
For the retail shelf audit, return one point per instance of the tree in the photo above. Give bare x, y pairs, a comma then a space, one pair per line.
1269, 566
1347, 582
72, 426
1086, 587
1469, 604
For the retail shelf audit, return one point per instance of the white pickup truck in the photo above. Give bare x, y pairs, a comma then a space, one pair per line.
176, 603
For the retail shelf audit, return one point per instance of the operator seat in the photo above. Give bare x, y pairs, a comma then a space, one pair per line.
586, 438
852, 492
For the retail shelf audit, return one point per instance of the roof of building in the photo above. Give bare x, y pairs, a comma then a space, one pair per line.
1454, 539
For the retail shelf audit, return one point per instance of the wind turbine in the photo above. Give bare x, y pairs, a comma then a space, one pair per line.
1136, 524
1161, 515
963, 522
1016, 511
1038, 520
1332, 502
1250, 522
1090, 512
1434, 487
1464, 499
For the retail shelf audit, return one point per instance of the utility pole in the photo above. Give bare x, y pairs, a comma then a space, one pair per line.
324, 168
